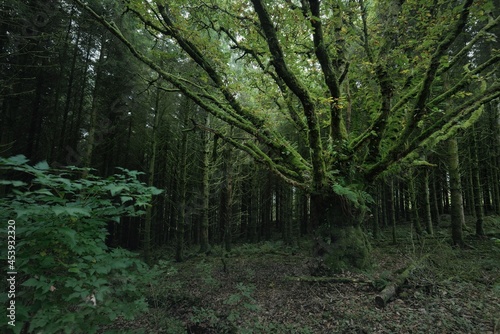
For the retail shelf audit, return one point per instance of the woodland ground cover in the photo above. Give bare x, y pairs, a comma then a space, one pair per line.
252, 290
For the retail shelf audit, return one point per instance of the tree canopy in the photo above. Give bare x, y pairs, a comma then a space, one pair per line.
407, 71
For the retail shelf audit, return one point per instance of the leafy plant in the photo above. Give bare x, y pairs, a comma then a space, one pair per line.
359, 198
68, 279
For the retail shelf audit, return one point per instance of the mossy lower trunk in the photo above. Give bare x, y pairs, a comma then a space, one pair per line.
339, 238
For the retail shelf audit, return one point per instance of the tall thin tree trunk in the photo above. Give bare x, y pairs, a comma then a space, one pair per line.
36, 119
227, 199
181, 218
69, 94
456, 200
492, 109
79, 105
87, 156
376, 214
253, 211
391, 212
476, 185
435, 201
151, 178
427, 203
204, 241
415, 219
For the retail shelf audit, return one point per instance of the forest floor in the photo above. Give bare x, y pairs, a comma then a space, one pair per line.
254, 289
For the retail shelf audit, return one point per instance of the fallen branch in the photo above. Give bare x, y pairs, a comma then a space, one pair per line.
326, 279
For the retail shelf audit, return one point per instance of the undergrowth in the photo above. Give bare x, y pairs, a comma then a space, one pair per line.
68, 280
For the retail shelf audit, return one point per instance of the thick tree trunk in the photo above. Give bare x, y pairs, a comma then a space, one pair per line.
456, 201
340, 238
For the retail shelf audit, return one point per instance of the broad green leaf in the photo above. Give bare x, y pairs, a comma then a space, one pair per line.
115, 189
155, 191
14, 183
68, 233
74, 270
63, 180
23, 212
103, 269
42, 165
32, 282
43, 192
72, 211
18, 160
125, 199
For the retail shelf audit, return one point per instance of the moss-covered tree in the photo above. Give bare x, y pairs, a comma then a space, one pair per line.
312, 64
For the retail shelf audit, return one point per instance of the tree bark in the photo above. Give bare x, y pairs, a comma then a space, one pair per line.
391, 289
151, 177
340, 238
91, 138
204, 228
456, 201
391, 212
415, 219
226, 199
182, 184
426, 208
435, 213
476, 185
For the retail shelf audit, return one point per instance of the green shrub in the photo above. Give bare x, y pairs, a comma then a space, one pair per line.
68, 280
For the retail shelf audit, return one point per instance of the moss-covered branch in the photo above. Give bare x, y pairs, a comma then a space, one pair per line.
337, 126
468, 47
249, 147
466, 80
292, 111
292, 82
213, 105
439, 131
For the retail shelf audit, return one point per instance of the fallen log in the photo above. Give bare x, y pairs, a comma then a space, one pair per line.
391, 289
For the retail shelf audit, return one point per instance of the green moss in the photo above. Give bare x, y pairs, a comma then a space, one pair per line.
350, 249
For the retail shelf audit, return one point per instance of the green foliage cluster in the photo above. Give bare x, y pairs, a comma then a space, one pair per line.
68, 279
358, 198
